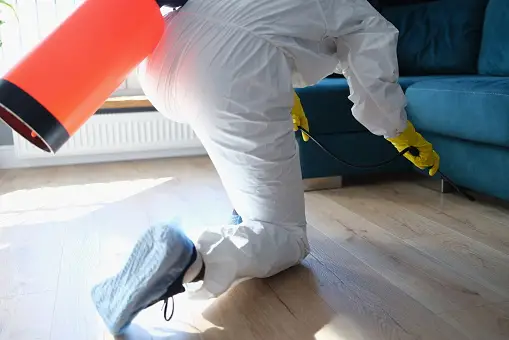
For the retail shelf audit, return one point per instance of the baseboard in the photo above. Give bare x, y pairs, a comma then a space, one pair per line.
9, 160
323, 183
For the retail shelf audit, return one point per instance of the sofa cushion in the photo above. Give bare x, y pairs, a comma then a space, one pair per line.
470, 108
442, 37
477, 166
494, 56
328, 108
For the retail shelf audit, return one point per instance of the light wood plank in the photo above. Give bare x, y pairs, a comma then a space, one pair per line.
489, 208
75, 316
3, 173
29, 258
249, 311
483, 322
381, 310
469, 219
474, 259
96, 246
307, 299
383, 265
425, 279
26, 317
98, 243
395, 219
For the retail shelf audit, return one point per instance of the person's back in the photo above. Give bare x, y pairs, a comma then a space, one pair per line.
264, 18
305, 30
297, 27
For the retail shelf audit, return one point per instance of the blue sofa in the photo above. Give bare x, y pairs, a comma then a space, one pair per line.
454, 66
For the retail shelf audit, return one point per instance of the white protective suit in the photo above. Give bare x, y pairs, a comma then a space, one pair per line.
228, 68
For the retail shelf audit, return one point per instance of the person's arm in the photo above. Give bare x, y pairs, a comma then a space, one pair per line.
367, 51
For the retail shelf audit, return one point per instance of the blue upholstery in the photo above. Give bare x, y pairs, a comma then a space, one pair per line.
475, 109
494, 56
476, 166
446, 39
328, 108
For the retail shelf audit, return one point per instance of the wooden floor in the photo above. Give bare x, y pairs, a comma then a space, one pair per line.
389, 261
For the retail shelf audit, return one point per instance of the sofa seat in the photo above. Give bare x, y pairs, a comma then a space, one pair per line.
330, 96
473, 108
476, 166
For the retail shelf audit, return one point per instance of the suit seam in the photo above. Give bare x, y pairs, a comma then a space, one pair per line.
324, 18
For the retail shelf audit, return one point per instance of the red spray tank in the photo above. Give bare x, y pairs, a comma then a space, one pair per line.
67, 77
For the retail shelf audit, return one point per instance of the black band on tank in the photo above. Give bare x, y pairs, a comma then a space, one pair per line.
25, 115
171, 3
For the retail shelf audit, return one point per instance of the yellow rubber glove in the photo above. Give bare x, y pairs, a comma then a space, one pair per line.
427, 158
299, 117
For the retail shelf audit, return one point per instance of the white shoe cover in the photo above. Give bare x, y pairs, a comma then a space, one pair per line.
153, 272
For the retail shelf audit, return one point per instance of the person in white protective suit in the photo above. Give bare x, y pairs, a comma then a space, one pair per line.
228, 68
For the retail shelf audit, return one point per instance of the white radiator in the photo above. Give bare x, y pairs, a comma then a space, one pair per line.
117, 134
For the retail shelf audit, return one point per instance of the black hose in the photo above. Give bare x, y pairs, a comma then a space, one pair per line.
356, 166
412, 149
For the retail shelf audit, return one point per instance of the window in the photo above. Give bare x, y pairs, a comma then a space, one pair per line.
37, 18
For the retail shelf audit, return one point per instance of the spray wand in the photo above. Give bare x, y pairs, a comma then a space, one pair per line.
411, 149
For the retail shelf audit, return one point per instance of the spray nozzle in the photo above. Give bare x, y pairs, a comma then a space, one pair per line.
413, 151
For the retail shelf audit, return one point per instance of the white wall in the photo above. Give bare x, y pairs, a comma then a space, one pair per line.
5, 134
